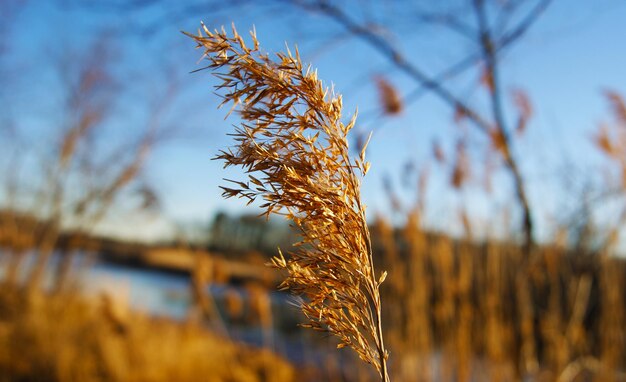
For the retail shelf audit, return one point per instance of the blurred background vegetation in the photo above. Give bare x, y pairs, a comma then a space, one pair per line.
496, 196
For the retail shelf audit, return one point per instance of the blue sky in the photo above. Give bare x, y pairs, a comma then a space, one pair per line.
566, 60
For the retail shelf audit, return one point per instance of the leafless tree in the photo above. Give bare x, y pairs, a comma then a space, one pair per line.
83, 173
491, 27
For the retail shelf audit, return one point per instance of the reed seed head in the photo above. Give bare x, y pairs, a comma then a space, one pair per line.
293, 145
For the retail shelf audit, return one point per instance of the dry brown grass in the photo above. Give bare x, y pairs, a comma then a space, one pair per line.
63, 338
480, 312
294, 147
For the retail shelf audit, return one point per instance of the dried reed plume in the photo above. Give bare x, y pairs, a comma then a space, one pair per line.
390, 99
294, 148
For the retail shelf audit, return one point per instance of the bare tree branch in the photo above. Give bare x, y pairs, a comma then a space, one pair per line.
504, 137
490, 48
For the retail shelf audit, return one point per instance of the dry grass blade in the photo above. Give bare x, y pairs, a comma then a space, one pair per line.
294, 147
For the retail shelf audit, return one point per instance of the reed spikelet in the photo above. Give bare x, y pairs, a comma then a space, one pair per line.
294, 148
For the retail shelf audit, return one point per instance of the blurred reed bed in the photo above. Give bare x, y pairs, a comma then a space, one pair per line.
458, 310
63, 338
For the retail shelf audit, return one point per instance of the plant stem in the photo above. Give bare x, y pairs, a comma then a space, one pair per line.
381, 349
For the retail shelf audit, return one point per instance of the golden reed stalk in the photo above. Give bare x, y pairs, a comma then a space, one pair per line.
294, 148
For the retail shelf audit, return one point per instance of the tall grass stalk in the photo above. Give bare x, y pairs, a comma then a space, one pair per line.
293, 146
